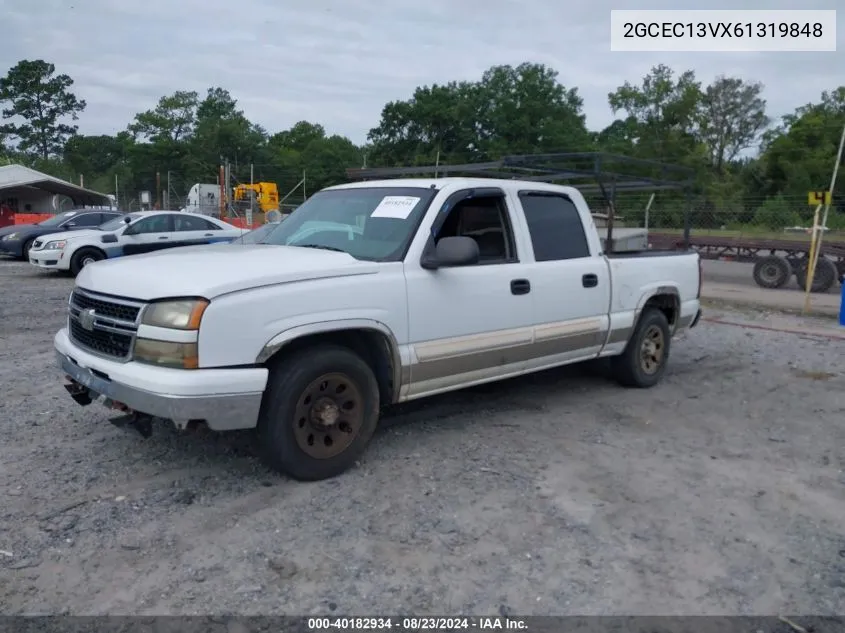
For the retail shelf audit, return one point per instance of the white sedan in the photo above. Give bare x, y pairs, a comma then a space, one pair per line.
130, 234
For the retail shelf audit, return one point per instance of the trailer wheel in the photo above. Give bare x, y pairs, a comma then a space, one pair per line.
824, 278
772, 271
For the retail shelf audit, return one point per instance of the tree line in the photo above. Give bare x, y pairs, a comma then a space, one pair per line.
743, 158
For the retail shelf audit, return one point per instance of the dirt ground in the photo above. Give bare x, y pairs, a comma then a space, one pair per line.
721, 491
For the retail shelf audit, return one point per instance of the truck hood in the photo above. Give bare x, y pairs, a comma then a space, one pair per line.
211, 271
66, 235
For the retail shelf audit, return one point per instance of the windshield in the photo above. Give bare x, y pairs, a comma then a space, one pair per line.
258, 235
115, 223
57, 219
370, 223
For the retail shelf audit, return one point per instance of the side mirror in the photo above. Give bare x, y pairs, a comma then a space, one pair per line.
108, 238
450, 252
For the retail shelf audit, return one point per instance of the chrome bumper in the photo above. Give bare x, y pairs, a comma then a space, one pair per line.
220, 412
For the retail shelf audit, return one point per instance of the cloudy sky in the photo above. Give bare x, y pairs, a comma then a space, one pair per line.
337, 62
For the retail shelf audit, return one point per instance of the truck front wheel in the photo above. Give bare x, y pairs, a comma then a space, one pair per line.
643, 362
319, 412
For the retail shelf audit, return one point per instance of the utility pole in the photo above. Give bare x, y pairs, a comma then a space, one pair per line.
251, 195
304, 197
167, 206
158, 191
116, 195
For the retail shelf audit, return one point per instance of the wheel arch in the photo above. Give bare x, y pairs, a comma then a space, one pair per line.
372, 340
81, 247
666, 298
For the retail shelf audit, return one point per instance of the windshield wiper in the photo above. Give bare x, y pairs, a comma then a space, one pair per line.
321, 247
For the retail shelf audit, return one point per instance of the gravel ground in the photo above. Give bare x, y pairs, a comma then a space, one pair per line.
718, 492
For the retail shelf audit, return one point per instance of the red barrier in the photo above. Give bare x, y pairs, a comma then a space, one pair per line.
242, 224
34, 218
31, 218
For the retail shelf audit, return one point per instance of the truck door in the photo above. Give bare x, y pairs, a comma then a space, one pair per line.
570, 287
469, 323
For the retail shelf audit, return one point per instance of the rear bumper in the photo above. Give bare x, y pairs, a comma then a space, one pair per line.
226, 399
690, 315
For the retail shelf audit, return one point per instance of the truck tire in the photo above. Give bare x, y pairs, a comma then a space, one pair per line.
644, 360
83, 257
319, 412
772, 271
824, 278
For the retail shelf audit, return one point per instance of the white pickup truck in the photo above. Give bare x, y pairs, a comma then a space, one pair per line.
369, 294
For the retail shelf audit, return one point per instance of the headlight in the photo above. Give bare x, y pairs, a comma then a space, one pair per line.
166, 353
181, 314
54, 246
11, 236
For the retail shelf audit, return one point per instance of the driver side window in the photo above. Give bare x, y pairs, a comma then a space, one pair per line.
153, 224
485, 219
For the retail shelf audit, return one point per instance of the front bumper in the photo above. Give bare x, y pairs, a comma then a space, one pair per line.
226, 399
51, 259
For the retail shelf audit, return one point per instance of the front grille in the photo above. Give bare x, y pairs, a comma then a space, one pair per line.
103, 307
100, 341
103, 325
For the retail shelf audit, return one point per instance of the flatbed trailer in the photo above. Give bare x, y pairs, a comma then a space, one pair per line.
775, 261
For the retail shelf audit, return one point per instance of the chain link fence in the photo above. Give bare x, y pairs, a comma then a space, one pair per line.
779, 217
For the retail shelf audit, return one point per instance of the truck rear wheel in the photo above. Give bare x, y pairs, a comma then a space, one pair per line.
644, 360
319, 413
772, 271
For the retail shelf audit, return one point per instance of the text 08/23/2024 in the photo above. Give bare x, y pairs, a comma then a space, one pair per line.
723, 31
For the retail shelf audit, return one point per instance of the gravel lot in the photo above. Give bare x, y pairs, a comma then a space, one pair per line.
721, 491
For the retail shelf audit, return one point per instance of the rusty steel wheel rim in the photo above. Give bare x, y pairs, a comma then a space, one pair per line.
652, 350
770, 273
328, 417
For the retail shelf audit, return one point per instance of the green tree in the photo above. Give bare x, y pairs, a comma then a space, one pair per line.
661, 114
798, 156
731, 118
510, 110
524, 109
438, 120
222, 132
172, 120
96, 155
40, 98
325, 161
298, 137
777, 213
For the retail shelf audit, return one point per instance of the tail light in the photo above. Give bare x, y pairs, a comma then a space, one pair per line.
700, 276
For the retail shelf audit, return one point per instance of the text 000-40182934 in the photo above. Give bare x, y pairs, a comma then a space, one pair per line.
723, 31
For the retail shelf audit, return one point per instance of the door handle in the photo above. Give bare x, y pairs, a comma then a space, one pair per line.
163, 237
590, 280
520, 287
209, 235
